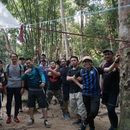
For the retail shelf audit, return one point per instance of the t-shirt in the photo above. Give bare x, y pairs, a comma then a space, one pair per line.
111, 80
14, 73
90, 80
63, 72
74, 88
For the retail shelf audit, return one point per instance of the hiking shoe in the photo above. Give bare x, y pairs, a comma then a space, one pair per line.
8, 121
77, 122
30, 122
16, 119
47, 124
66, 116
83, 127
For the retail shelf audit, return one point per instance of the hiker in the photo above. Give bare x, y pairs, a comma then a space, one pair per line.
91, 89
111, 88
65, 88
15, 87
36, 83
54, 83
75, 92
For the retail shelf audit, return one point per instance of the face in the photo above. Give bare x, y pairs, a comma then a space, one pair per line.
108, 56
14, 58
53, 65
22, 62
63, 62
43, 62
74, 62
87, 63
29, 63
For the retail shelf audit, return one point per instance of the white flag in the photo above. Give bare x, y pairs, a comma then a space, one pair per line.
6, 19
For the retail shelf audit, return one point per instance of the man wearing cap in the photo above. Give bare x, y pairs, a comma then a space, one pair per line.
110, 88
91, 89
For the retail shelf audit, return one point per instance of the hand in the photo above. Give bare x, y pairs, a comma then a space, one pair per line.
22, 91
1, 85
28, 70
117, 59
5, 90
42, 85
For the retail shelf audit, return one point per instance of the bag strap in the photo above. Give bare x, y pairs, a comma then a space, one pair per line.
19, 70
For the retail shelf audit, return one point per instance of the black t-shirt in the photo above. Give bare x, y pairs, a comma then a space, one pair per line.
111, 80
63, 72
74, 88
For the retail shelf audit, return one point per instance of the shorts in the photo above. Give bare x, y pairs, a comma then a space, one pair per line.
38, 96
110, 99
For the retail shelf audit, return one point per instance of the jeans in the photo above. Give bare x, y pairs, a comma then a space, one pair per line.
17, 96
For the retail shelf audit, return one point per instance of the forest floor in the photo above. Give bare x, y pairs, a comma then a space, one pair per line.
55, 118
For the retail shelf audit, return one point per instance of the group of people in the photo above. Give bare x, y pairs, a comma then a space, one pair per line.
75, 84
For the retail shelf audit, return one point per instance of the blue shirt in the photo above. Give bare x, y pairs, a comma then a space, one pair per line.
90, 79
34, 78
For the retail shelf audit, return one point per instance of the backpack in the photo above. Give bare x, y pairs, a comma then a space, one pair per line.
20, 66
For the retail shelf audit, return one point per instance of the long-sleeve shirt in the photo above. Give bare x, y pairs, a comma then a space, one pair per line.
34, 78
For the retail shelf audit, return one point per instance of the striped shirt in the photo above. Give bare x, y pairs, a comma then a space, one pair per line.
90, 79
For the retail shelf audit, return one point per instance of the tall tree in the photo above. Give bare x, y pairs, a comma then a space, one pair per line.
124, 31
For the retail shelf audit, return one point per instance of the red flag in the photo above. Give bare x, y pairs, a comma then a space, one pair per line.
21, 34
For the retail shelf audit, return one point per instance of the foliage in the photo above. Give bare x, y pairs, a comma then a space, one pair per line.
96, 27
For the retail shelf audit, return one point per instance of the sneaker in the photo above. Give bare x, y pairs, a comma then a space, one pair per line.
46, 123
8, 121
16, 119
31, 121
66, 116
83, 127
77, 122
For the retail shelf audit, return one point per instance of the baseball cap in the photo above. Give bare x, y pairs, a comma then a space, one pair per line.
107, 50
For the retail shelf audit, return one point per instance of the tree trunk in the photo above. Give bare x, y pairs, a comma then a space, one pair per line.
124, 47
64, 39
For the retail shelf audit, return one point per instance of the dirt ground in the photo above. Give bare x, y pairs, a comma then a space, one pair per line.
55, 118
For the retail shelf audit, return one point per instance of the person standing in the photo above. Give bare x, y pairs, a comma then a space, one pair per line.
65, 88
91, 89
111, 88
54, 83
75, 92
15, 87
36, 82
